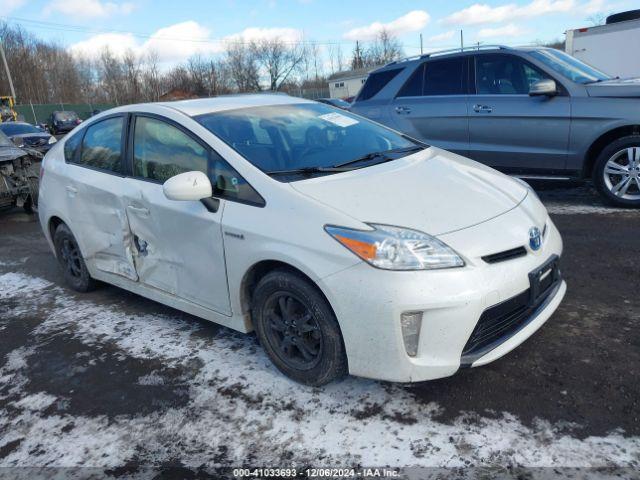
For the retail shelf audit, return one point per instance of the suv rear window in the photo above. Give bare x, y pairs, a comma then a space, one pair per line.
376, 82
439, 77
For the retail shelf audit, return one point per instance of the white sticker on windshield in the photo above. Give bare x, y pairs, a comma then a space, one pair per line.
338, 119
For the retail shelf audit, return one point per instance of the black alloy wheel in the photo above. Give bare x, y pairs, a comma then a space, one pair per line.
70, 259
298, 329
292, 331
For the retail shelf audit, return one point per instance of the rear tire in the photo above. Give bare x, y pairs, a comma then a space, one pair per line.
616, 173
298, 329
70, 258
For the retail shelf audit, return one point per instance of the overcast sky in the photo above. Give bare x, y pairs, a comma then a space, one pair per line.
177, 29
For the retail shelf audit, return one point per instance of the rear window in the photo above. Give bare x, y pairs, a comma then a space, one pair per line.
376, 82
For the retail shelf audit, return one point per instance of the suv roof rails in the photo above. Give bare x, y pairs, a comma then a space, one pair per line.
452, 50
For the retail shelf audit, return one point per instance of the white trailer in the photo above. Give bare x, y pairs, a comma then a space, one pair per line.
613, 48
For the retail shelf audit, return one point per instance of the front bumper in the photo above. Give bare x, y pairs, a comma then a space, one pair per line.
369, 302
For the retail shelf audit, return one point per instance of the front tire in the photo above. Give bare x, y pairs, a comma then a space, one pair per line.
616, 173
298, 329
70, 258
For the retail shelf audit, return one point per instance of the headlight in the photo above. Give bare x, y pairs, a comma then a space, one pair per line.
52, 140
395, 248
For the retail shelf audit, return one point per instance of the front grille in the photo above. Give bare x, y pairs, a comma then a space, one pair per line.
506, 255
498, 323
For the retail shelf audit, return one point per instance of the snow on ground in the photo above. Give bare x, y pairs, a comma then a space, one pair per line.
239, 407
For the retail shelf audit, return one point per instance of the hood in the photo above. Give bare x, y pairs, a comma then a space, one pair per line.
433, 191
9, 153
620, 88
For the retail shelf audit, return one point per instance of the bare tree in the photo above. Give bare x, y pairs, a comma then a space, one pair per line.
384, 49
278, 60
151, 81
597, 19
336, 58
243, 67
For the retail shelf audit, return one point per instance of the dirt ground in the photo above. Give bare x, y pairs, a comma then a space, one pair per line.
113, 381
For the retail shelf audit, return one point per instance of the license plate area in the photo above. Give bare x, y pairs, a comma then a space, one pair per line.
543, 278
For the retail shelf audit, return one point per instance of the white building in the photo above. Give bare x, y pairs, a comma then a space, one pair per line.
348, 84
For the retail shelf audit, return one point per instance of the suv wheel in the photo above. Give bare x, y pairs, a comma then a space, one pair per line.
70, 259
298, 329
617, 172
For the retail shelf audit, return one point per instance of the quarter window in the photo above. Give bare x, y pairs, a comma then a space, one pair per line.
376, 82
161, 151
505, 75
71, 145
102, 145
227, 183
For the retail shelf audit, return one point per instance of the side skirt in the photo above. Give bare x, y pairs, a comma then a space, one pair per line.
237, 323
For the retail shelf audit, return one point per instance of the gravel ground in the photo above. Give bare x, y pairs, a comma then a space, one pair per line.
114, 381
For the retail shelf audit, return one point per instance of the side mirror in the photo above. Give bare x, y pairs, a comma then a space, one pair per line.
188, 186
546, 87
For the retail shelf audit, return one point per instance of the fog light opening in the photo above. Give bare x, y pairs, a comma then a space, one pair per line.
411, 323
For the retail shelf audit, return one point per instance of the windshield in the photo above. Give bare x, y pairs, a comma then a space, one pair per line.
301, 136
66, 116
18, 128
569, 66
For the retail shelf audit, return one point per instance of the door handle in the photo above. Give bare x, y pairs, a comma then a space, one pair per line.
71, 191
141, 211
403, 110
482, 108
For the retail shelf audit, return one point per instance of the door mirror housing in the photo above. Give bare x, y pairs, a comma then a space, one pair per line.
546, 87
187, 186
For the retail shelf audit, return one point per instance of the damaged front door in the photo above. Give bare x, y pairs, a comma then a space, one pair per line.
178, 245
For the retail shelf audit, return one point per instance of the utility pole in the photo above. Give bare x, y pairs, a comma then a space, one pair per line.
6, 69
421, 50
461, 41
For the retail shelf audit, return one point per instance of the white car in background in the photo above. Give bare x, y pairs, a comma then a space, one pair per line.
346, 246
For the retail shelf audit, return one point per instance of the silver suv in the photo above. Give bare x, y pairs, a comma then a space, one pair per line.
530, 112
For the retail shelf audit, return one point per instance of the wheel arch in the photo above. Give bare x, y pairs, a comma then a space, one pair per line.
257, 271
602, 141
53, 223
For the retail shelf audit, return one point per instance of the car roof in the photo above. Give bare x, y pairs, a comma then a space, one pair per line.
201, 106
453, 53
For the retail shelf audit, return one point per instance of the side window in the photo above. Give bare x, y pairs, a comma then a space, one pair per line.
505, 75
413, 87
102, 145
161, 151
227, 183
444, 77
71, 145
376, 82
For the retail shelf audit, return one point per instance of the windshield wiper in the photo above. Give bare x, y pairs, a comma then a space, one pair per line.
307, 171
346, 166
384, 155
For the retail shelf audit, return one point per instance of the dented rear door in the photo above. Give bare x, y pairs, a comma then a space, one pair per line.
94, 187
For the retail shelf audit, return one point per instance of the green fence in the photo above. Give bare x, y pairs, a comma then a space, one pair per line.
40, 113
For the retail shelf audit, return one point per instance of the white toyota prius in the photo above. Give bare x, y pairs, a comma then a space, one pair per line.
348, 247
